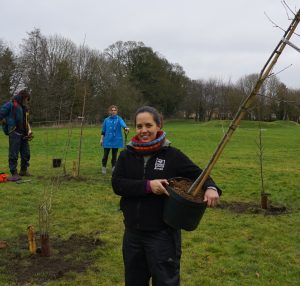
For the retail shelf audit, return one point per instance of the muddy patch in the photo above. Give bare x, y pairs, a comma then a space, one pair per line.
248, 208
55, 180
70, 256
72, 178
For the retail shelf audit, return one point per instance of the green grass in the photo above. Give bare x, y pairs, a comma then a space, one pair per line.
227, 248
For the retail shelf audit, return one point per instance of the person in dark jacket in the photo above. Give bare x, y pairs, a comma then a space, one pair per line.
151, 248
14, 117
111, 136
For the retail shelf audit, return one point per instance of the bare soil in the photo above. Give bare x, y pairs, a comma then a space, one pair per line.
255, 208
72, 255
61, 178
181, 185
75, 254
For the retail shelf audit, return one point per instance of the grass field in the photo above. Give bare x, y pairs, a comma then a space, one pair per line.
230, 246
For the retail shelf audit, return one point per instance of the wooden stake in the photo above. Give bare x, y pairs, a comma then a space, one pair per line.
74, 169
31, 239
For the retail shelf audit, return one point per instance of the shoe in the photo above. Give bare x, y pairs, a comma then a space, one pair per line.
103, 170
24, 173
14, 177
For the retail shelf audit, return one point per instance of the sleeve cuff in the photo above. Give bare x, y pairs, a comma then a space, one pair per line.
148, 188
212, 188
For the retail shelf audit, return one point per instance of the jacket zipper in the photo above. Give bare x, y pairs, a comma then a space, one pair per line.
138, 208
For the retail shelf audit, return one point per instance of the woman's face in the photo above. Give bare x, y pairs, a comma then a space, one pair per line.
146, 128
113, 111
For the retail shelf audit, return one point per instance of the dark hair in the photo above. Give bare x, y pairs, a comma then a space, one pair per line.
111, 107
157, 117
24, 93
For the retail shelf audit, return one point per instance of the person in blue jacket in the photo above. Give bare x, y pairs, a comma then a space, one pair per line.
111, 136
14, 118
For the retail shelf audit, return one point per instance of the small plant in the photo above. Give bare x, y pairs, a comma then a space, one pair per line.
260, 154
44, 214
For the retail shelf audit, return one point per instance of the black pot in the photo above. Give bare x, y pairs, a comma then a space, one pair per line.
181, 213
56, 163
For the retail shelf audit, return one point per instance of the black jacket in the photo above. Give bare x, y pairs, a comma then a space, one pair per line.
143, 210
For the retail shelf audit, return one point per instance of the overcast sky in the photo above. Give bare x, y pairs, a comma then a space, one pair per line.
209, 39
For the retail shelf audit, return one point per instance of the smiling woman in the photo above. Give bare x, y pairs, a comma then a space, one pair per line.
146, 127
151, 248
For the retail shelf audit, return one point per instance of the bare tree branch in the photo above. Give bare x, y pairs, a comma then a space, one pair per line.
274, 74
277, 26
274, 24
276, 99
287, 7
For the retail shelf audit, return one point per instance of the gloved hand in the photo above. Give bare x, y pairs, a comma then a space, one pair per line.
29, 137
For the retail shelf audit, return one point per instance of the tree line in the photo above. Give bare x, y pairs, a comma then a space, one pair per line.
61, 76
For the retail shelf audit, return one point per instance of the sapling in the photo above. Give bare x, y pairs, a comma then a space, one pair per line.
260, 154
44, 215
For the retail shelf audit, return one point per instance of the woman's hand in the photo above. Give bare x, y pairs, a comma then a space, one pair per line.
158, 186
211, 196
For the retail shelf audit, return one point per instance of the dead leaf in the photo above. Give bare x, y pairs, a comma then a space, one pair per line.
3, 244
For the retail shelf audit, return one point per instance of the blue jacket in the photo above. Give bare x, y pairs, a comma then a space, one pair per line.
14, 114
112, 132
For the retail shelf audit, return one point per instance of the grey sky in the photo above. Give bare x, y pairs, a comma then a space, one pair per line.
209, 39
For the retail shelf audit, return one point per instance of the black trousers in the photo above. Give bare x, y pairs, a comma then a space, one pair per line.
114, 152
17, 144
152, 254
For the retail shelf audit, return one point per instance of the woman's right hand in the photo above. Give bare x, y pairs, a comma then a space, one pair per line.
158, 186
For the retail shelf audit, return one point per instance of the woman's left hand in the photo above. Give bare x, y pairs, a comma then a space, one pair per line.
211, 197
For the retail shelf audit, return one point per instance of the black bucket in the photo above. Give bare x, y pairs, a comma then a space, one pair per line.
182, 213
56, 163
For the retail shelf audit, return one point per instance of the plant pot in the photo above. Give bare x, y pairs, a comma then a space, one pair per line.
56, 163
182, 212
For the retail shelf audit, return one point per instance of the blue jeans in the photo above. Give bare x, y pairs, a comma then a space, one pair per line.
17, 144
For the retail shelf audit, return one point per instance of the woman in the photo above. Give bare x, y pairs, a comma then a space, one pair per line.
111, 136
150, 247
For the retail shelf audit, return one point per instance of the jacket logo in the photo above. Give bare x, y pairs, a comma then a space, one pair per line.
159, 164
